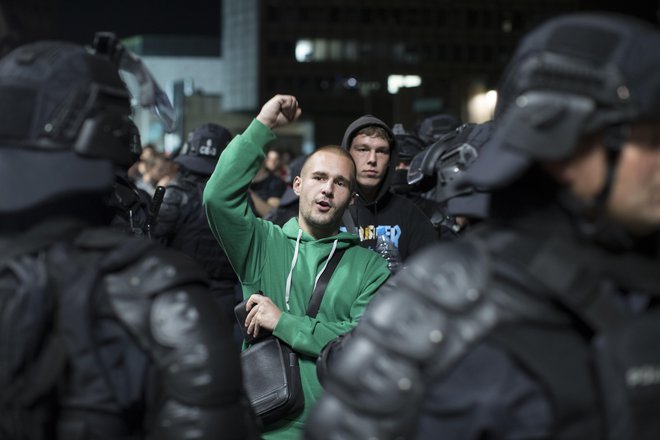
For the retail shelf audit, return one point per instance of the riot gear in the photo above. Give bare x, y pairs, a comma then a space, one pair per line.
182, 222
442, 164
203, 148
125, 341
554, 334
434, 127
573, 77
408, 145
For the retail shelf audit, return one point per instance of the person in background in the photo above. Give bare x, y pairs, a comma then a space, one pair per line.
409, 146
441, 166
267, 188
182, 222
289, 204
432, 128
376, 211
273, 161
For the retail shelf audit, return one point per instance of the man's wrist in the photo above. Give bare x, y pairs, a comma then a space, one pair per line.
265, 121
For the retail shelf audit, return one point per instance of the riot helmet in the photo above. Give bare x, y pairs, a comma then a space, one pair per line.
408, 146
573, 76
407, 143
446, 161
65, 122
434, 127
201, 151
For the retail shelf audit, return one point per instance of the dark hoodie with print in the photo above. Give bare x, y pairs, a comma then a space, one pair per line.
388, 214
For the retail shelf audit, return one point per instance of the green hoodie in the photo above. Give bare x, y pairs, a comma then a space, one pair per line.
264, 256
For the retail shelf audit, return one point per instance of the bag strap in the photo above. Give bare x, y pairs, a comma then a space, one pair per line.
322, 283
347, 219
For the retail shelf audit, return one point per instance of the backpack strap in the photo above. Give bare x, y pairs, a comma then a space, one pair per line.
322, 283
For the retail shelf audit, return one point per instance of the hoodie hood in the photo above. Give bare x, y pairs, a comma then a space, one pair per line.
367, 121
344, 239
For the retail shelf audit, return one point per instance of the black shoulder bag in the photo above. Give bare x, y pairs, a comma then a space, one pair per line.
271, 372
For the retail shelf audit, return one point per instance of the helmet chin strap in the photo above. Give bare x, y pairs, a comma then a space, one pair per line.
592, 219
613, 139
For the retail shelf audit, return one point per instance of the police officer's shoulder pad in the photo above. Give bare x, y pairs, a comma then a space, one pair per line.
452, 275
158, 270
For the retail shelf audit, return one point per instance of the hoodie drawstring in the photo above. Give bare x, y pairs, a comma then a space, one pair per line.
289, 278
293, 264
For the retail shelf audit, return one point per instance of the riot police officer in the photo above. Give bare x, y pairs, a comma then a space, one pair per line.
541, 323
441, 166
182, 222
103, 335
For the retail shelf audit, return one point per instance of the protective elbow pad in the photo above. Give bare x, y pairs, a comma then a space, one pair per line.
164, 301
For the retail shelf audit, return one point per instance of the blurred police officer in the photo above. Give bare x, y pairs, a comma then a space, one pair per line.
102, 335
440, 167
432, 128
131, 204
182, 223
544, 323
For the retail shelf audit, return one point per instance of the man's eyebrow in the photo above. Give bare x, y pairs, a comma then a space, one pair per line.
370, 147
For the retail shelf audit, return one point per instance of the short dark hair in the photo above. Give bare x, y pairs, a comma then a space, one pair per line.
375, 131
341, 152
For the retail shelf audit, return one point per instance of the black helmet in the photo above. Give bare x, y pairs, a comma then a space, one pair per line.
65, 123
573, 76
449, 158
203, 148
408, 144
434, 127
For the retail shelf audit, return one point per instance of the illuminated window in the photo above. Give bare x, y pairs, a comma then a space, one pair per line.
304, 51
395, 82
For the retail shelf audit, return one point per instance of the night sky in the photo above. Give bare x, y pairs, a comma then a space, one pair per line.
80, 19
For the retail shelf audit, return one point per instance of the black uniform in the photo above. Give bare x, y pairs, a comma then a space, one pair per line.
131, 206
127, 343
182, 225
522, 298
103, 335
182, 222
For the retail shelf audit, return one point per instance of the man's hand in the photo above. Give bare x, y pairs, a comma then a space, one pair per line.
262, 313
279, 111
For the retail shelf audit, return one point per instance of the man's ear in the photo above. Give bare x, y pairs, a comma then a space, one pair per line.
296, 185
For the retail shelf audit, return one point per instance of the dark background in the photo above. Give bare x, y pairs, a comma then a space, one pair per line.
78, 20
81, 18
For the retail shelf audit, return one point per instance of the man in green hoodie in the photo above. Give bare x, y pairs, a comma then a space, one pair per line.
285, 262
